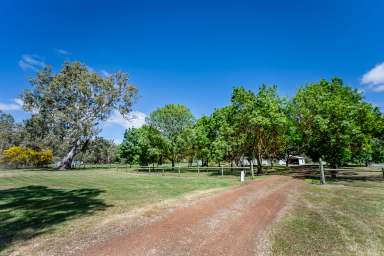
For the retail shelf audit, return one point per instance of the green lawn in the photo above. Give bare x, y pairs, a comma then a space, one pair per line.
43, 207
344, 217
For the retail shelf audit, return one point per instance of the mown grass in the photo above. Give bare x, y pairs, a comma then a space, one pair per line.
59, 205
344, 217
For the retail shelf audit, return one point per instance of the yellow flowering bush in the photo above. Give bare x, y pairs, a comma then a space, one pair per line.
19, 156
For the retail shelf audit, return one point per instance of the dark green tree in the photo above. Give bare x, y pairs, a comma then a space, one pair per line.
335, 122
9, 131
259, 122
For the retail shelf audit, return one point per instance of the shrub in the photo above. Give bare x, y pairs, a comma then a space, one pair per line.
19, 156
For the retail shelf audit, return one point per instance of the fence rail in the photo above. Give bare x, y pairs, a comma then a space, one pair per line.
212, 170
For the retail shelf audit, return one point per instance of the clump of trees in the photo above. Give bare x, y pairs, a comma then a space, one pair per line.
99, 151
17, 156
336, 124
67, 109
327, 120
69, 106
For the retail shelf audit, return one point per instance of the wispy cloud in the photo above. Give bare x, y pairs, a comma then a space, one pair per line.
133, 120
16, 106
31, 62
62, 52
374, 78
105, 73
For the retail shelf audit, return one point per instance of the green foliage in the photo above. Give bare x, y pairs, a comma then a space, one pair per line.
171, 120
259, 122
99, 151
9, 131
74, 101
335, 122
143, 146
18, 156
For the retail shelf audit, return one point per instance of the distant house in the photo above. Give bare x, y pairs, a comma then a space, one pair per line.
294, 160
245, 162
298, 160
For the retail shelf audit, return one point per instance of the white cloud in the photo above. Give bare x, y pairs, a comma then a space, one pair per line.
374, 78
133, 120
19, 102
17, 106
29, 61
105, 73
63, 52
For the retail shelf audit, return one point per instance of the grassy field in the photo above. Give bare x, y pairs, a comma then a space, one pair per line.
344, 217
40, 209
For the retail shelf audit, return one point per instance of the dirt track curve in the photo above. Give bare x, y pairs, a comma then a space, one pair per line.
228, 223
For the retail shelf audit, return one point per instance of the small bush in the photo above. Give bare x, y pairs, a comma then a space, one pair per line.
21, 157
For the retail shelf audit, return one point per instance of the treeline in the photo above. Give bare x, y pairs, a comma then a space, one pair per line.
21, 146
327, 120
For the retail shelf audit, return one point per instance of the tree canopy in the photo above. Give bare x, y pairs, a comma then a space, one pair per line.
335, 122
73, 103
171, 120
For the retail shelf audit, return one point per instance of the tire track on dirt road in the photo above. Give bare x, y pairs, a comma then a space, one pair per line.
229, 223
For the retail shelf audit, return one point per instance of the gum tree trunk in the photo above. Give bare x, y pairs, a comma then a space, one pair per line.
259, 166
66, 162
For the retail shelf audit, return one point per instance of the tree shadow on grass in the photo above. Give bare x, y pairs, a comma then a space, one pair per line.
343, 175
26, 212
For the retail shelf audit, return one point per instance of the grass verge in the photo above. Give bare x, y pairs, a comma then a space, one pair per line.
342, 218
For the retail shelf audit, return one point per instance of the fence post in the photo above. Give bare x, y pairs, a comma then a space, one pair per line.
179, 169
198, 168
322, 175
252, 172
242, 176
222, 171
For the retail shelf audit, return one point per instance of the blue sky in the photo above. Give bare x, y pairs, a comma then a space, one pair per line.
195, 52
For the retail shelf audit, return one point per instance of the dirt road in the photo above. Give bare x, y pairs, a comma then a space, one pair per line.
229, 223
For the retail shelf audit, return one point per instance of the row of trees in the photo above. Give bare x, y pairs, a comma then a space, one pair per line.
327, 120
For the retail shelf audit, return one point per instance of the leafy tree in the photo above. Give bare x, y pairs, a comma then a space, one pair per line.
225, 143
335, 122
186, 144
378, 140
292, 139
171, 120
153, 145
202, 140
129, 149
8, 131
74, 101
99, 151
143, 146
36, 134
259, 122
